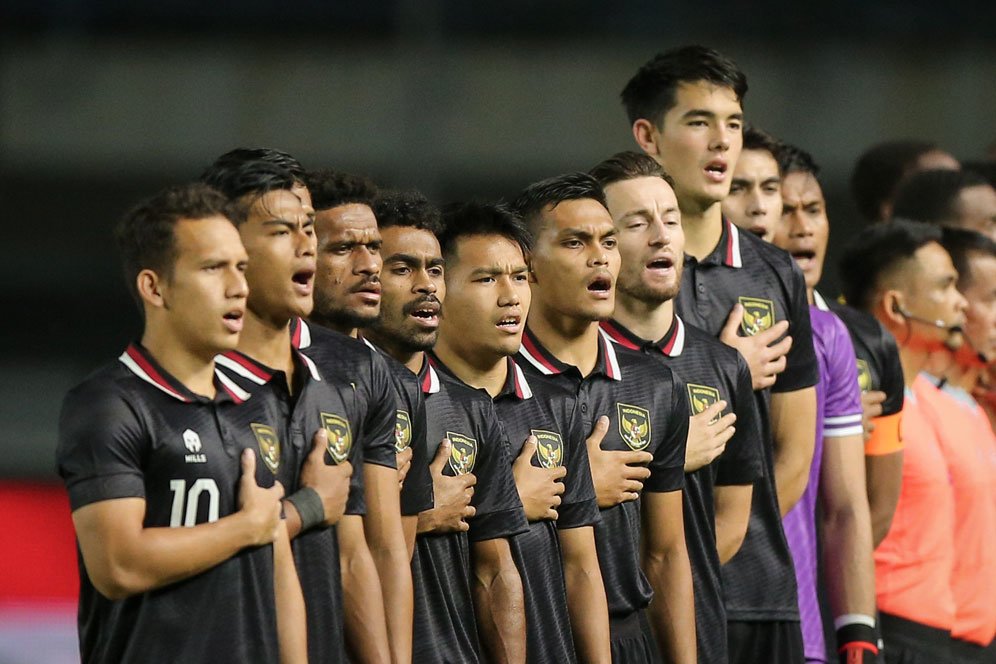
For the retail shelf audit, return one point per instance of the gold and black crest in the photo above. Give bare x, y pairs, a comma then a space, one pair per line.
700, 397
759, 315
864, 375
340, 436
402, 431
634, 425
463, 453
269, 445
549, 448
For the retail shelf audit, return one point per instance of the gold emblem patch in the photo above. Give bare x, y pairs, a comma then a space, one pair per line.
463, 453
701, 397
549, 448
402, 431
864, 375
340, 436
759, 315
634, 425
269, 445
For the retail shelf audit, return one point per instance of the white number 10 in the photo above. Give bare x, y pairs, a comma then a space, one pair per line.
179, 489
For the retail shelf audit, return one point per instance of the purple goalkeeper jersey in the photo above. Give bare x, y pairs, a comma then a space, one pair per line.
838, 413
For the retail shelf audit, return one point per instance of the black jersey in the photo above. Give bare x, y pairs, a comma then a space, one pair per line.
409, 431
540, 408
131, 430
712, 372
445, 627
759, 583
317, 403
879, 367
647, 410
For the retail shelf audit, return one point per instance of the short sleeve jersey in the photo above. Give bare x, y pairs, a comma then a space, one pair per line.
317, 403
838, 414
743, 269
914, 563
444, 628
647, 410
131, 430
409, 431
712, 372
973, 579
878, 369
539, 408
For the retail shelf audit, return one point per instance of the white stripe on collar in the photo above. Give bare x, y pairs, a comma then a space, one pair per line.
433, 379
520, 380
305, 340
236, 367
821, 304
610, 355
738, 260
311, 367
542, 368
126, 360
230, 384
679, 338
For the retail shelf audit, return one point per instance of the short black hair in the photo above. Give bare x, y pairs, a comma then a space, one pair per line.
962, 244
651, 93
146, 236
628, 166
877, 250
238, 156
531, 202
758, 139
880, 169
986, 169
410, 209
245, 182
932, 196
461, 220
793, 159
330, 188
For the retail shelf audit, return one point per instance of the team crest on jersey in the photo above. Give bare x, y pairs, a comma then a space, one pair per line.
192, 441
402, 431
701, 397
634, 425
549, 448
864, 375
340, 436
269, 445
759, 315
463, 453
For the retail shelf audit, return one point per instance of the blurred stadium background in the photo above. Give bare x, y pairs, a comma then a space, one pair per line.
104, 101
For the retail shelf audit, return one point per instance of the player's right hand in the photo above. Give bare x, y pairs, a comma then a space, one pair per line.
330, 481
765, 358
707, 439
260, 507
617, 475
871, 407
403, 460
452, 496
539, 488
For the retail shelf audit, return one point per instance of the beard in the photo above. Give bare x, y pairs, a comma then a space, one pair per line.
638, 290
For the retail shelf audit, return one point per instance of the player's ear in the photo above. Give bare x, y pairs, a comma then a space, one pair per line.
645, 134
149, 287
890, 305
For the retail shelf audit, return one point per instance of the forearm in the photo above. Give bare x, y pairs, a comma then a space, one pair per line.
732, 517
292, 519
409, 525
847, 550
500, 609
589, 612
364, 617
884, 481
793, 426
292, 628
672, 610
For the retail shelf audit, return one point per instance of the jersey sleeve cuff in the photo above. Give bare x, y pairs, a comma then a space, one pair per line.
105, 487
493, 525
577, 515
671, 479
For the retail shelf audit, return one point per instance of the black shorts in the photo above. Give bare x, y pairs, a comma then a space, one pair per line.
631, 640
771, 642
908, 642
965, 652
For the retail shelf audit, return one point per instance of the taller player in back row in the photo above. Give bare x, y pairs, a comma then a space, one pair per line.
684, 108
177, 535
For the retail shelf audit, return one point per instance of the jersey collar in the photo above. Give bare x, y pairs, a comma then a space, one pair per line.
515, 383
671, 344
300, 333
727, 251
546, 363
820, 303
138, 360
428, 377
259, 373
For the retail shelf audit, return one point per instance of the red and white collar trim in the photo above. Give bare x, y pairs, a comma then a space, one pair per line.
139, 365
237, 393
522, 389
611, 361
247, 368
676, 343
536, 356
820, 303
430, 381
733, 257
300, 334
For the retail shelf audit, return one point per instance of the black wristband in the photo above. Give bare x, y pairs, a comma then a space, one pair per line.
857, 642
309, 507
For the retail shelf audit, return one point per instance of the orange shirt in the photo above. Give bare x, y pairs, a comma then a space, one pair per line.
913, 563
967, 452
